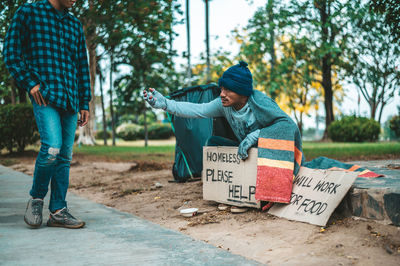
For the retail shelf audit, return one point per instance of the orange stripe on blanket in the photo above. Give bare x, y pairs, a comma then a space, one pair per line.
275, 163
354, 167
276, 144
298, 155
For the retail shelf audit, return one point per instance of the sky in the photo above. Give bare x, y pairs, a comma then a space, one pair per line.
225, 16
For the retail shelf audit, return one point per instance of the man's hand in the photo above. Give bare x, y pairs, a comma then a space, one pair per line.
84, 118
37, 96
155, 99
244, 146
250, 141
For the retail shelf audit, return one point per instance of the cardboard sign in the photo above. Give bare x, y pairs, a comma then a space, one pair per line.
228, 179
315, 195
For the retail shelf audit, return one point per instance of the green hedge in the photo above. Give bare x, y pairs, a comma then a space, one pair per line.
17, 127
100, 134
354, 129
129, 131
160, 131
395, 125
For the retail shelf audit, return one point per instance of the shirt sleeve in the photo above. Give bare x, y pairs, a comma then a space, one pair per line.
253, 136
83, 74
15, 38
195, 110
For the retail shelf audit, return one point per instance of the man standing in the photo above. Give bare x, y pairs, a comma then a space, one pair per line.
45, 52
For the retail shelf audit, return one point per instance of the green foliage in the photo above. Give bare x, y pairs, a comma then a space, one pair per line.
334, 150
150, 118
390, 8
395, 125
354, 129
100, 134
160, 131
17, 127
129, 131
373, 61
8, 91
351, 151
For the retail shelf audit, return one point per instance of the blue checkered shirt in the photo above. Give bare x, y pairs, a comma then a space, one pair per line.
47, 47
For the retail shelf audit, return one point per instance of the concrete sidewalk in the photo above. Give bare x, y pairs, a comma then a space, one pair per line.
109, 238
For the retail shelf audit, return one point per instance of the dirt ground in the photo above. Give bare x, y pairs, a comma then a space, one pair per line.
144, 190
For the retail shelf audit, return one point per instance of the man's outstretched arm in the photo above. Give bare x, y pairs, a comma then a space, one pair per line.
183, 109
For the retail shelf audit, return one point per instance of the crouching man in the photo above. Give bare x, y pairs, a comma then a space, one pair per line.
251, 115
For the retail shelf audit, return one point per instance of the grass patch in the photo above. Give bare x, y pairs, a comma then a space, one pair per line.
128, 153
352, 151
164, 153
8, 162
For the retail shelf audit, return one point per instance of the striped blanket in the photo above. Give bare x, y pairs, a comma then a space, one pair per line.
330, 164
280, 154
279, 150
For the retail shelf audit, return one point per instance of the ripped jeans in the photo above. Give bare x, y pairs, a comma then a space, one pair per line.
57, 133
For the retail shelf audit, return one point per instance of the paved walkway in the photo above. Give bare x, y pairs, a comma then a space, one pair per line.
109, 238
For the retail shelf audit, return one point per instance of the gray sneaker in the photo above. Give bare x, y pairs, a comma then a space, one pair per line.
33, 213
64, 219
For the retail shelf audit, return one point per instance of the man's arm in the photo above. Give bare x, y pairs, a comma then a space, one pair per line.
83, 74
12, 53
184, 109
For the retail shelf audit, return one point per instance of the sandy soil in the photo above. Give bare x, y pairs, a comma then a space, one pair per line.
145, 190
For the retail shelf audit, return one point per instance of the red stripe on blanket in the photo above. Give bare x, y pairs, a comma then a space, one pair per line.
369, 174
274, 184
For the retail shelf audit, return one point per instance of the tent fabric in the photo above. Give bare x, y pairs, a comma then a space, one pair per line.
191, 133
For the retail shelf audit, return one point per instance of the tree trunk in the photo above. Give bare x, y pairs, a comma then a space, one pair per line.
111, 98
22, 95
86, 135
326, 67
189, 67
383, 104
207, 45
13, 95
270, 10
372, 107
300, 124
146, 133
328, 97
102, 108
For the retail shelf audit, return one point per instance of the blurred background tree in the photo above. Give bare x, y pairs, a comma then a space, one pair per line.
302, 53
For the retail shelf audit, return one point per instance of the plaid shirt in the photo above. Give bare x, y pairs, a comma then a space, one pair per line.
47, 47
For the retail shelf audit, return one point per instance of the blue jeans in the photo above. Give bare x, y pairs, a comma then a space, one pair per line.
57, 133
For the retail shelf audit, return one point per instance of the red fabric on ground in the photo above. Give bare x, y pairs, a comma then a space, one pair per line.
274, 184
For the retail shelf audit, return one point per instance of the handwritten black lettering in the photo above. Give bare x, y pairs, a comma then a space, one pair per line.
252, 191
312, 206
209, 173
328, 187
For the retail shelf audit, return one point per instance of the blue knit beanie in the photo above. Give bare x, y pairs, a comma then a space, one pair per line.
237, 78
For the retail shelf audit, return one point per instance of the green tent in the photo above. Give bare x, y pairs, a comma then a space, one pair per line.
192, 133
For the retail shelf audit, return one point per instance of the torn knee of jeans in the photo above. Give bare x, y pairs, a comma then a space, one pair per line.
53, 152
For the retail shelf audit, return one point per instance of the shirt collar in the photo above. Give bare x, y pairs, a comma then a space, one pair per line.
49, 6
